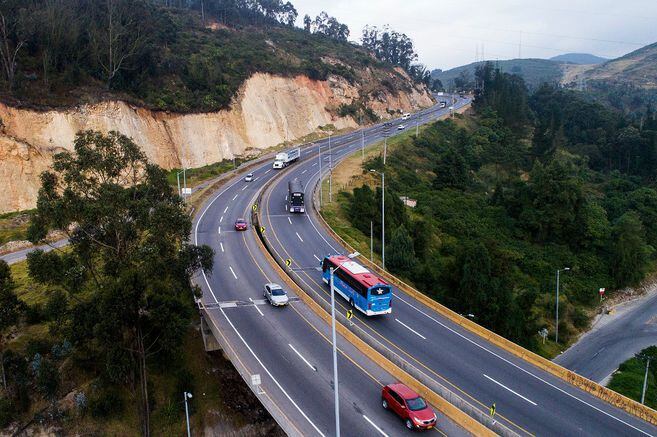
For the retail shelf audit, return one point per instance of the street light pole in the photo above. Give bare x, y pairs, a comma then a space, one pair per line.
330, 171
645, 382
383, 217
556, 330
321, 188
187, 396
336, 399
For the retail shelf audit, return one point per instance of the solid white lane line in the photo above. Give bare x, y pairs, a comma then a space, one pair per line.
302, 357
299, 236
515, 393
411, 329
374, 426
289, 220
270, 375
235, 197
256, 307
521, 369
233, 272
222, 246
225, 210
316, 257
221, 219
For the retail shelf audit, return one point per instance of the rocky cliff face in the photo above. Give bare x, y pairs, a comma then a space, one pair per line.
268, 111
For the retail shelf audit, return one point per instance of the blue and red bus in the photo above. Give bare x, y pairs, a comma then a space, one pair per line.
360, 287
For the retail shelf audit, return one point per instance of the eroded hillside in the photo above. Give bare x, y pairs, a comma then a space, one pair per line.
268, 111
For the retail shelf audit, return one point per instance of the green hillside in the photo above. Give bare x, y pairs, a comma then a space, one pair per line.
533, 71
579, 58
170, 58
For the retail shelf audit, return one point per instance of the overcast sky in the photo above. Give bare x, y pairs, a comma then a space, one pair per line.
449, 33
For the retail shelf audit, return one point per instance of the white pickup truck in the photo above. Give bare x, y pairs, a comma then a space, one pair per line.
284, 159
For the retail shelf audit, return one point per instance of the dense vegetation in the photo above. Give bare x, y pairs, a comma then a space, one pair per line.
534, 72
530, 185
120, 298
629, 378
68, 50
166, 54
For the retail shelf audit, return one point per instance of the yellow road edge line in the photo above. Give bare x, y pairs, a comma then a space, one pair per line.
468, 423
616, 399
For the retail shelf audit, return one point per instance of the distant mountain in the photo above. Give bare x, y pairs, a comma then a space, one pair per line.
534, 71
627, 83
579, 58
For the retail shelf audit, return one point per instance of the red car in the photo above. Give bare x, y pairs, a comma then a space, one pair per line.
408, 405
240, 225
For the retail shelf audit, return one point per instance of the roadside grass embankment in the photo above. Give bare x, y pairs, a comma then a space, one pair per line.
628, 380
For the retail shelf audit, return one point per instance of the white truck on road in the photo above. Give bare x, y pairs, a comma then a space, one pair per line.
284, 159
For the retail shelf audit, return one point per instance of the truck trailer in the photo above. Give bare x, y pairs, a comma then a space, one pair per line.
284, 159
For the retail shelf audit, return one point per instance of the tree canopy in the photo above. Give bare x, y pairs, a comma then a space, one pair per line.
127, 272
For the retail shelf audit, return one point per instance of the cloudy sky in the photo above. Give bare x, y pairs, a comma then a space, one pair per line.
449, 33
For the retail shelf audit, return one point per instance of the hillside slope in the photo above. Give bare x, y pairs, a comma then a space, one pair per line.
579, 58
194, 93
534, 71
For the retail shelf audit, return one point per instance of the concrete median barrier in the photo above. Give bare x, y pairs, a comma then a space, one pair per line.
457, 409
629, 405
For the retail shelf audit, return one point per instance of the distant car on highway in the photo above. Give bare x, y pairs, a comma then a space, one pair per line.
275, 294
406, 116
248, 178
409, 406
240, 224
401, 127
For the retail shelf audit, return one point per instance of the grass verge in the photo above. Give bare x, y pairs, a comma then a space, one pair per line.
628, 381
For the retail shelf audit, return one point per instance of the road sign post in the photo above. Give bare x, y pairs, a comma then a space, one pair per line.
256, 381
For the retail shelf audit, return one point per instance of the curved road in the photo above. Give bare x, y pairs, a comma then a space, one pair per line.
289, 347
599, 353
529, 400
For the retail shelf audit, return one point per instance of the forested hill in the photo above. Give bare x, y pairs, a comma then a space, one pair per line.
182, 55
533, 183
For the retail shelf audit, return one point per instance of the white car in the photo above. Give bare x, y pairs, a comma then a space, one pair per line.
401, 127
248, 178
406, 116
275, 295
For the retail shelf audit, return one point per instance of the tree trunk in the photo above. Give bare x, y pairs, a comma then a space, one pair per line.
143, 376
2, 368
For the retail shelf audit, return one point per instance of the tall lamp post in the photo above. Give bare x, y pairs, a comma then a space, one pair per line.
556, 330
187, 396
383, 216
336, 401
335, 353
321, 188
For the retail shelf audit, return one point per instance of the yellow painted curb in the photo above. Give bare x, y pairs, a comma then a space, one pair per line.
446, 408
631, 406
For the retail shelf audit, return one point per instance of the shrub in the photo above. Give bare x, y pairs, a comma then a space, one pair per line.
6, 412
106, 403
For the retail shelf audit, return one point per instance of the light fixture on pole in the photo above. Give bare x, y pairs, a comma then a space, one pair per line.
187, 396
556, 329
383, 217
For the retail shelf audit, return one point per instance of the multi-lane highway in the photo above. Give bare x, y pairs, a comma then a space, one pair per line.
529, 400
288, 347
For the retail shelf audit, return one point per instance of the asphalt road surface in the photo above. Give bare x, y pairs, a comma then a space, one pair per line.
528, 400
599, 353
289, 347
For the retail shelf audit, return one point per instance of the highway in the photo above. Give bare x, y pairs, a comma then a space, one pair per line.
529, 400
288, 347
